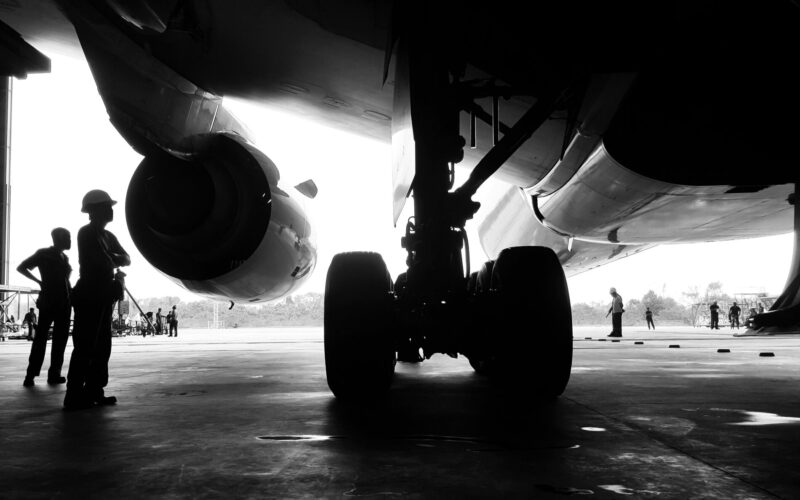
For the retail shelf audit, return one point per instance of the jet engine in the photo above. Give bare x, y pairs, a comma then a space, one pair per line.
216, 222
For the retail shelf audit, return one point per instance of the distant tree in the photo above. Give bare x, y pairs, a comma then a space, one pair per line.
670, 311
653, 301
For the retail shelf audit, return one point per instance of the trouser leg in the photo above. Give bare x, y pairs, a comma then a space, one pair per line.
84, 339
616, 322
60, 339
39, 345
97, 377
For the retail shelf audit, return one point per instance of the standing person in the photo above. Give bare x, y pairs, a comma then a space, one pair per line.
53, 304
30, 319
173, 322
733, 315
714, 309
648, 315
98, 287
159, 322
615, 311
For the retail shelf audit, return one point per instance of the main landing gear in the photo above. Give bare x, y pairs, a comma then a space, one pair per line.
512, 318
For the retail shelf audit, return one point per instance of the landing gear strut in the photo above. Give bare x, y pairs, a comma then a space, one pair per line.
784, 315
433, 308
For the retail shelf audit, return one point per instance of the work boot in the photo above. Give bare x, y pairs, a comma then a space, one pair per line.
105, 400
56, 380
28, 382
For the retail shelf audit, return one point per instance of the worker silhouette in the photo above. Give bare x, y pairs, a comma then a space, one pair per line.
648, 315
98, 287
714, 310
159, 322
172, 319
733, 315
615, 311
53, 303
30, 319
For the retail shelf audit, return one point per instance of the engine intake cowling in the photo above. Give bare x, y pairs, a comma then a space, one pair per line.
216, 222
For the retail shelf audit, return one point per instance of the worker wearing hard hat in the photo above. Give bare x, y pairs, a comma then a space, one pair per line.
99, 254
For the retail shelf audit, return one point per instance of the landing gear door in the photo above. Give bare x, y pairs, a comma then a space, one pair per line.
403, 148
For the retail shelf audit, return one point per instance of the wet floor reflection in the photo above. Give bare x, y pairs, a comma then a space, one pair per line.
456, 409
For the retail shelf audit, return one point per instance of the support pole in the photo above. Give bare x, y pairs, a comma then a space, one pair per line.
5, 176
140, 309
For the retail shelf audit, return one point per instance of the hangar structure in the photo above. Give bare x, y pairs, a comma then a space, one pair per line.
17, 60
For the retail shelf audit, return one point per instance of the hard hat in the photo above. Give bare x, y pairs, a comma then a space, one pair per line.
95, 197
613, 290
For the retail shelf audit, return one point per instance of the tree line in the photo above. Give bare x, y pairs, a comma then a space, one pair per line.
298, 310
308, 309
666, 311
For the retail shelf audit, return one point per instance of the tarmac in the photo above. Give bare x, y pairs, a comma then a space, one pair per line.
244, 413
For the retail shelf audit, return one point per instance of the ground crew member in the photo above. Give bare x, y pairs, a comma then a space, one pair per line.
714, 309
648, 315
173, 322
53, 303
615, 311
733, 315
159, 322
30, 318
98, 287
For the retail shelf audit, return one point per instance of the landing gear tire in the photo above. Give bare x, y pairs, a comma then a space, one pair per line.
534, 342
360, 354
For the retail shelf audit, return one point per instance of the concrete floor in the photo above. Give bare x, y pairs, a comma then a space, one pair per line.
247, 414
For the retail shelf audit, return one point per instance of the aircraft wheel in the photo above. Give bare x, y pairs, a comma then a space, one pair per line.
534, 343
359, 350
482, 320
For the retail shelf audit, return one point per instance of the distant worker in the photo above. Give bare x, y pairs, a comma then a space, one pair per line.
159, 322
714, 309
760, 308
30, 320
615, 311
169, 321
173, 322
648, 315
98, 287
53, 303
733, 315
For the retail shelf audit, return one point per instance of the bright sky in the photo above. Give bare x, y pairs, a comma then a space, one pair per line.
63, 145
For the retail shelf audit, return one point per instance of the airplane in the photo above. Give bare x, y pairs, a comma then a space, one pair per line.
617, 126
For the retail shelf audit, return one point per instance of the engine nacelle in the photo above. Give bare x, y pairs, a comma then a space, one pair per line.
216, 222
